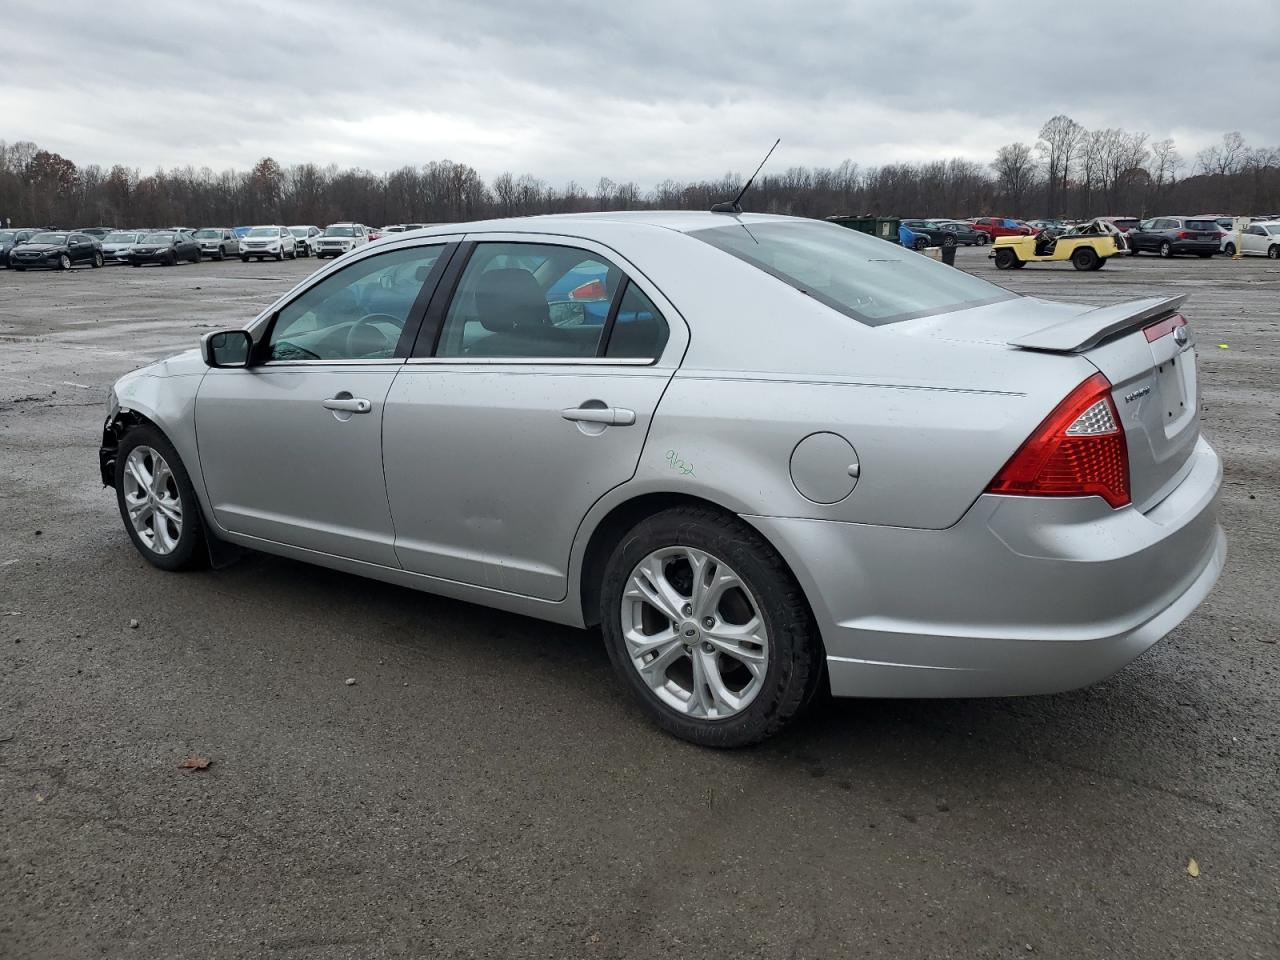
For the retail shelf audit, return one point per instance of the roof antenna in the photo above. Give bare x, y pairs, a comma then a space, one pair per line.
727, 206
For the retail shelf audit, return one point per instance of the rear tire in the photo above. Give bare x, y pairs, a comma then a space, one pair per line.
1166, 249
188, 551
1085, 259
922, 243
948, 241
1006, 259
790, 665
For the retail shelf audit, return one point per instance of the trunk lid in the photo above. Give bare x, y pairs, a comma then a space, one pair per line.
1143, 347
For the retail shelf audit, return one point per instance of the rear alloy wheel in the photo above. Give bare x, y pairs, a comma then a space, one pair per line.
708, 629
1229, 249
1006, 259
948, 241
157, 502
1085, 259
64, 262
1166, 249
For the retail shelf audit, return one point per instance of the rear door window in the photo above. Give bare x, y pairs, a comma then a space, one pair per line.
526, 301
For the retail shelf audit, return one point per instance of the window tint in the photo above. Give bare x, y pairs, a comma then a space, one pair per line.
523, 300
860, 276
639, 332
357, 313
1205, 225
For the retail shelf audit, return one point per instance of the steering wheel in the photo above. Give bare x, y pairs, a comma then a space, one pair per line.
364, 339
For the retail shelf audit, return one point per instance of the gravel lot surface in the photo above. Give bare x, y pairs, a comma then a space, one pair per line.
484, 789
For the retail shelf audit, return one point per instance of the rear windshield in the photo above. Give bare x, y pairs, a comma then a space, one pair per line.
869, 279
1202, 224
1124, 223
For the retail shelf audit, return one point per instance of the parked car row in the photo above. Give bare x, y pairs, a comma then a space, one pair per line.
31, 247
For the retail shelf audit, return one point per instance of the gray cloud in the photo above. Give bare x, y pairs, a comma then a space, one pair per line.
641, 91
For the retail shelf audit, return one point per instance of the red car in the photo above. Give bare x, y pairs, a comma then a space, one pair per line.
1003, 227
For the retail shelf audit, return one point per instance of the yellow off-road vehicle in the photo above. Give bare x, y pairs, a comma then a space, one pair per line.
1087, 246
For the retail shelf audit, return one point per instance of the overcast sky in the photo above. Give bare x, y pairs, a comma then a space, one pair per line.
634, 90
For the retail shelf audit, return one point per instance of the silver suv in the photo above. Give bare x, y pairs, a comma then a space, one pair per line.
339, 238
217, 242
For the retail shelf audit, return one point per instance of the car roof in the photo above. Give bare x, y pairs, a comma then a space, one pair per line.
593, 225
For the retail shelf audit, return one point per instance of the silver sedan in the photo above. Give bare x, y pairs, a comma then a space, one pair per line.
767, 456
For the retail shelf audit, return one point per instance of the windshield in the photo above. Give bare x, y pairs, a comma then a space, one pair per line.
120, 238
55, 238
157, 238
264, 232
208, 233
340, 231
7, 235
1273, 229
863, 277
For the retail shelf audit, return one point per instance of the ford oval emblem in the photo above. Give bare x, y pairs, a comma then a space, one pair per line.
1180, 336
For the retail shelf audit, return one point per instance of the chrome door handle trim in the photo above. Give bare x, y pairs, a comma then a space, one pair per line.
611, 416
349, 405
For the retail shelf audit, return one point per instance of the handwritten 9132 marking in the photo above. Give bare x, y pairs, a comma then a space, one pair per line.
685, 468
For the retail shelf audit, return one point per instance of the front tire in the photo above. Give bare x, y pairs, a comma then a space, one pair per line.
1006, 259
1273, 252
64, 262
221, 254
97, 260
1229, 249
708, 629
157, 502
244, 259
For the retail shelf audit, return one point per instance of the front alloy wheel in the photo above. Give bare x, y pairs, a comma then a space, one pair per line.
151, 500
157, 502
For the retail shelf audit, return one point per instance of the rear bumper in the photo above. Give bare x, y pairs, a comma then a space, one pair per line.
1024, 595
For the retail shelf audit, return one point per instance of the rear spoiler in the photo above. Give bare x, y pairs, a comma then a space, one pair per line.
1086, 331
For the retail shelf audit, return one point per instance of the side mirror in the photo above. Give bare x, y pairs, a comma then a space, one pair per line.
226, 348
568, 313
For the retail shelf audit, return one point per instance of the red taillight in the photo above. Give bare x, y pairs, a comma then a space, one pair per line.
1162, 328
1183, 235
1078, 451
591, 290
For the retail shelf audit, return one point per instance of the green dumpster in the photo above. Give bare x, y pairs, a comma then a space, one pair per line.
886, 228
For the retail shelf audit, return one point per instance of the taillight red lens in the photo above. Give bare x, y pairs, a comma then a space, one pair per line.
1183, 235
591, 290
1078, 451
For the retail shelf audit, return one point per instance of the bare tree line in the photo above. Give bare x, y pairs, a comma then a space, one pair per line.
1070, 171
